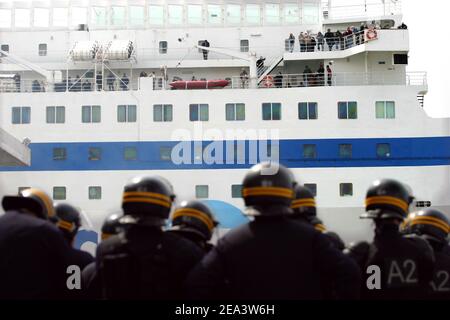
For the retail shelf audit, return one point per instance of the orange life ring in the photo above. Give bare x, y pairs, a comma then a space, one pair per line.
268, 81
372, 34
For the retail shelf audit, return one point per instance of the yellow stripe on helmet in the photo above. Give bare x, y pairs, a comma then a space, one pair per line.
303, 203
48, 204
438, 223
194, 213
268, 191
134, 194
147, 200
388, 200
65, 225
320, 227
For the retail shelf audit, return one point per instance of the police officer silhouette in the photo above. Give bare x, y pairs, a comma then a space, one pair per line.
434, 226
272, 257
34, 254
405, 262
143, 261
305, 211
195, 221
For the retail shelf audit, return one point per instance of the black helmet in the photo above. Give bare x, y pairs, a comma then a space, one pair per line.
172, 190
267, 185
67, 219
34, 200
194, 217
432, 224
111, 225
304, 203
387, 199
147, 197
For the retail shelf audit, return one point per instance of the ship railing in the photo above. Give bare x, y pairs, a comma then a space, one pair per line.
326, 44
385, 8
73, 85
315, 79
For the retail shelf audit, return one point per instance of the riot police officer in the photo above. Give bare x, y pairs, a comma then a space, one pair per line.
90, 281
143, 261
434, 226
194, 220
272, 257
67, 219
305, 211
33, 252
404, 263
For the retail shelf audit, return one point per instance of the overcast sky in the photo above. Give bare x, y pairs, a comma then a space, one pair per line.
427, 21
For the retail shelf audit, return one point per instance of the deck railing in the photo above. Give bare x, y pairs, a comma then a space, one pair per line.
313, 79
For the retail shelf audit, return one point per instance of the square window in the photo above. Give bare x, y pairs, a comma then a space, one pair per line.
136, 15
253, 14
307, 110
390, 110
118, 16
59, 154
130, 153
96, 114
383, 150
26, 114
380, 110
175, 14
236, 191
163, 47
309, 151
194, 14
16, 117
121, 113
95, 154
352, 110
59, 193
168, 113
235, 111
156, 15
272, 13
157, 113
276, 111
198, 112
346, 189
42, 49
60, 115
165, 153
202, 192
345, 151
131, 113
233, 12
271, 111
98, 16
347, 110
204, 112
311, 187
95, 193
51, 114
245, 46
214, 14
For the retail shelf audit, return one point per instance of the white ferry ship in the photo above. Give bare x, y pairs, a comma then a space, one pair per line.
102, 91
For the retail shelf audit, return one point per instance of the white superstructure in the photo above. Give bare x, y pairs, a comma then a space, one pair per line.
105, 121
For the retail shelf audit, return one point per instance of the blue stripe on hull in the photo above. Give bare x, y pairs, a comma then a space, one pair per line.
418, 152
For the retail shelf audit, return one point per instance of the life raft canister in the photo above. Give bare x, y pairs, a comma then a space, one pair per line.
268, 81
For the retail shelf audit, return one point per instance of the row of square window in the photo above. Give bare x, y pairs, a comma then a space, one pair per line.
201, 191
200, 112
383, 150
157, 15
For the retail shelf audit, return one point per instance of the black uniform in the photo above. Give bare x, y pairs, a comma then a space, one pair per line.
33, 258
80, 258
273, 258
406, 264
440, 285
145, 263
